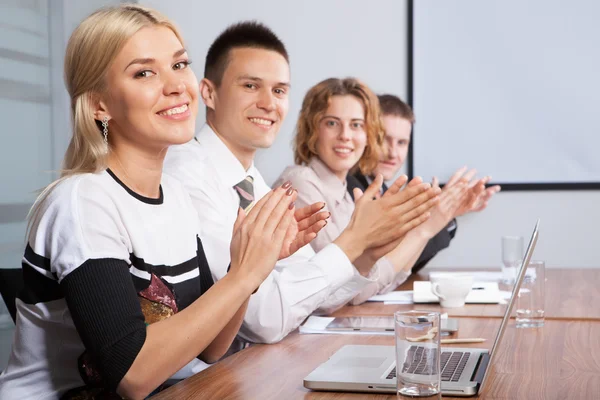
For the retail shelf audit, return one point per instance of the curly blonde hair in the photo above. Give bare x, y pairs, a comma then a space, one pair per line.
315, 105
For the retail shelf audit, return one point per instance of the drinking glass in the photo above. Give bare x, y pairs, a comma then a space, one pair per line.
532, 296
512, 254
417, 354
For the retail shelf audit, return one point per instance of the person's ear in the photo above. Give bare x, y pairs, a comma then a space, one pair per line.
208, 92
100, 108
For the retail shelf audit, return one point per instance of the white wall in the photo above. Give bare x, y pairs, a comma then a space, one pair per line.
65, 15
334, 38
568, 229
35, 119
568, 219
340, 38
529, 92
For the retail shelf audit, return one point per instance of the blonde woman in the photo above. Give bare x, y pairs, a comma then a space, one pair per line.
118, 295
339, 128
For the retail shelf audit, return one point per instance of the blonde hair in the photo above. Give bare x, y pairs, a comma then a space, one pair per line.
315, 105
91, 49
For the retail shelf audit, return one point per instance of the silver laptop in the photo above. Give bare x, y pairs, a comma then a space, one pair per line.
369, 368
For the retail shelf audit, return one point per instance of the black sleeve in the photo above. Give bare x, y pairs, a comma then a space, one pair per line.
106, 312
355, 181
435, 245
206, 280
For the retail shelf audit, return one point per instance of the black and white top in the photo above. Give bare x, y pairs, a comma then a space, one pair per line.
102, 262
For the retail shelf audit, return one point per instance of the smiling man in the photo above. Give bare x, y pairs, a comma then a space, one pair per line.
245, 90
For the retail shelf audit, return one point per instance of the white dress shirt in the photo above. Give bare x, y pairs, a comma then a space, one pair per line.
316, 182
299, 285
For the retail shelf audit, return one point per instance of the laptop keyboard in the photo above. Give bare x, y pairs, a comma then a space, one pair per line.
452, 363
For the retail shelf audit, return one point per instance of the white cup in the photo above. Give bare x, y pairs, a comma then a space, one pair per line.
452, 290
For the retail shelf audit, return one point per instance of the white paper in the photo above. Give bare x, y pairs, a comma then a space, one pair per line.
482, 293
316, 324
479, 276
396, 297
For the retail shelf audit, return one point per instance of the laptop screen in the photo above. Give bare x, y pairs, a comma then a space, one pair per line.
511, 303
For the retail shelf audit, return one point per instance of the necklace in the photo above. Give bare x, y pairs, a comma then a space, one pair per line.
129, 180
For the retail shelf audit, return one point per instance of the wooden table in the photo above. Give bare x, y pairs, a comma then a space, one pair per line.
559, 361
571, 294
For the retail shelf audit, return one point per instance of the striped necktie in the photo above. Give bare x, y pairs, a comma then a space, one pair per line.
245, 189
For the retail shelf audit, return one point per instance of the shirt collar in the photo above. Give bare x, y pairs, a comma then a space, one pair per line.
228, 168
331, 183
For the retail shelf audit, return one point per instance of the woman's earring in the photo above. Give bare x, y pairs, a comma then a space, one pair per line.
105, 131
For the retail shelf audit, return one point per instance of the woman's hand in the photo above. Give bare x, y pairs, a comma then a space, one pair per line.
259, 236
377, 223
305, 225
398, 211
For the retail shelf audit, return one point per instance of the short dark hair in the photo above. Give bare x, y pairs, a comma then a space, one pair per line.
251, 34
393, 105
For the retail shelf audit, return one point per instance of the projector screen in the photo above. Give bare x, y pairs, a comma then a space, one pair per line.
509, 87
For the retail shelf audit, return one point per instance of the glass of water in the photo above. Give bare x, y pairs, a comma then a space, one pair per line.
512, 254
417, 354
532, 296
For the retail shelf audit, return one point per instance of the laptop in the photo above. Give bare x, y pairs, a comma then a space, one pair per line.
369, 368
